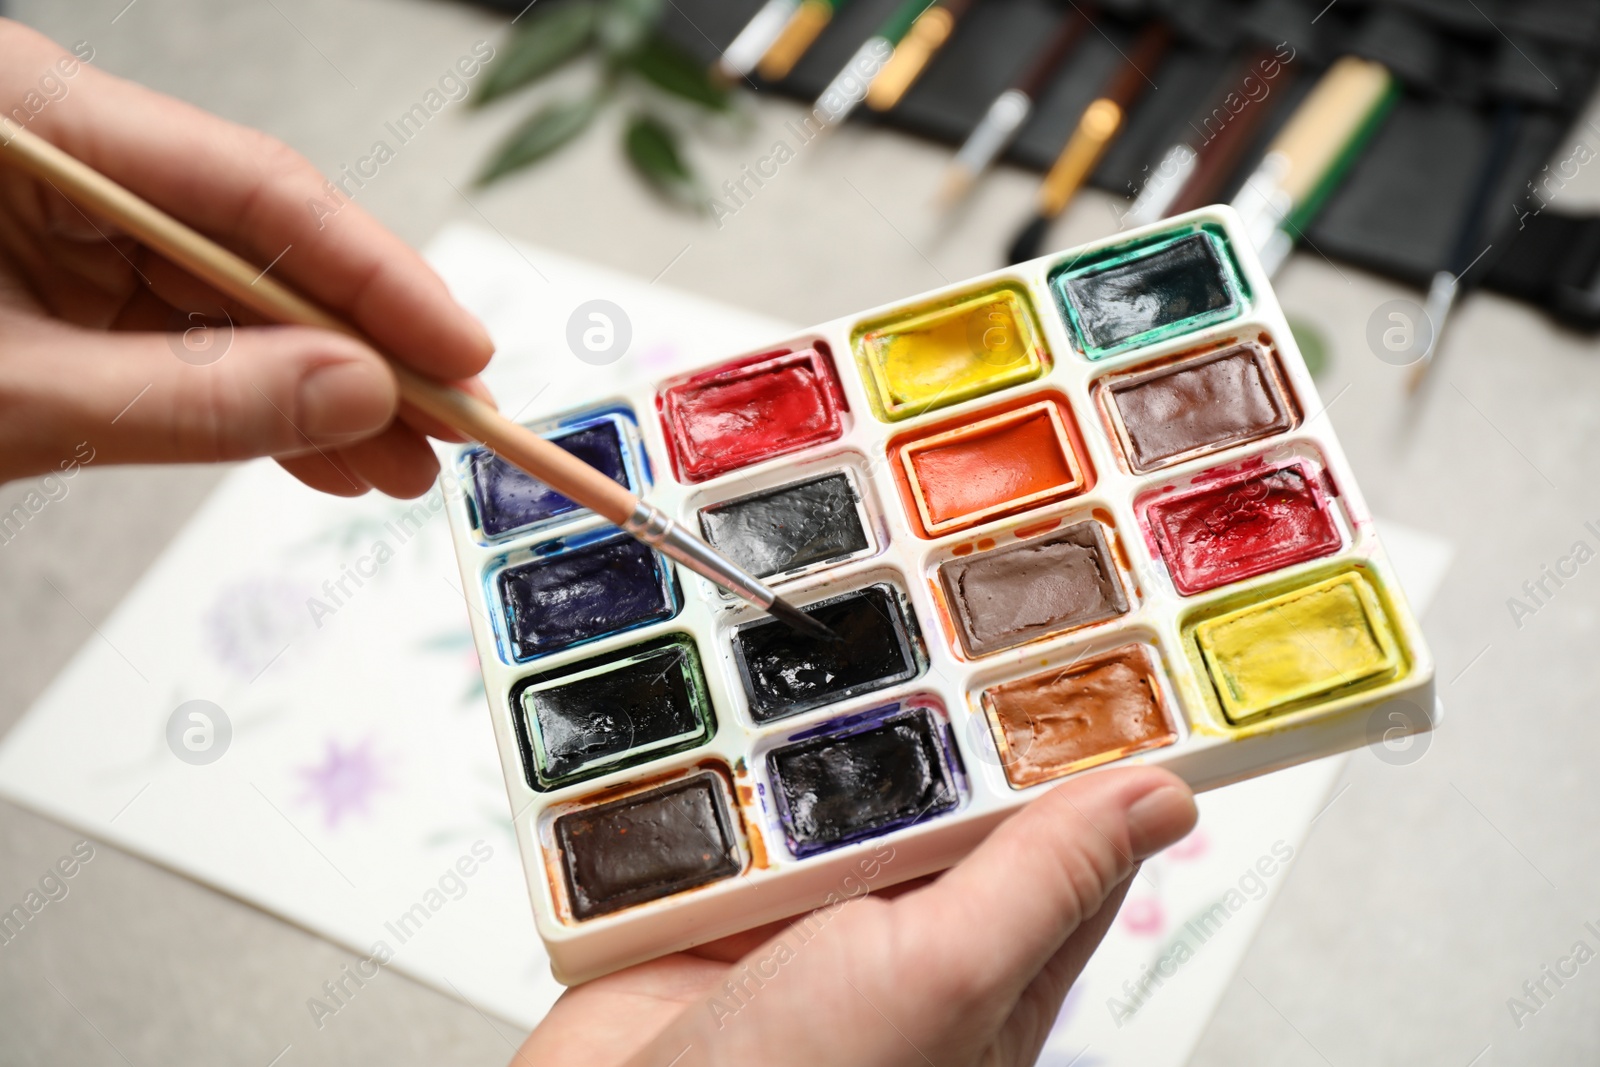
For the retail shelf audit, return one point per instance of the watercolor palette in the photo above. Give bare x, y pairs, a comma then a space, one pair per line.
1083, 511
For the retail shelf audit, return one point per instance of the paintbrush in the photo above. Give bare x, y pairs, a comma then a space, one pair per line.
1192, 173
1097, 128
474, 419
1008, 111
849, 87
797, 37
755, 40
1312, 152
915, 51
1446, 287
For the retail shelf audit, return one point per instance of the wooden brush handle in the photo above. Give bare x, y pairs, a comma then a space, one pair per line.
1331, 115
518, 445
232, 275
1100, 122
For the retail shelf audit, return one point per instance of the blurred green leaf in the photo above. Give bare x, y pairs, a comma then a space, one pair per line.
624, 25
1313, 344
548, 38
671, 68
652, 148
546, 130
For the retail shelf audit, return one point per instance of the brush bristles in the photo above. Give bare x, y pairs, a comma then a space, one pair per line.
1028, 241
786, 612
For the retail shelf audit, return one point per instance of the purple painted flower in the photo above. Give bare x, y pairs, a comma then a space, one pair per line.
250, 623
345, 781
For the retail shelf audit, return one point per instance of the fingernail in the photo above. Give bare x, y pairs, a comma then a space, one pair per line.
342, 400
1160, 818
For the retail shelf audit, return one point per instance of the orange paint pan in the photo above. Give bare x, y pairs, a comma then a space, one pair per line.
1010, 461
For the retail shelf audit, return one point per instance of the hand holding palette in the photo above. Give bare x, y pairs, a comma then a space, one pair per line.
1082, 511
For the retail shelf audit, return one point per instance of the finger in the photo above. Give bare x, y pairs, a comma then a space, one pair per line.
900, 889
325, 472
736, 947
31, 279
1007, 908
191, 296
262, 200
107, 264
432, 427
48, 212
186, 302
142, 311
1024, 1033
271, 391
397, 461
1073, 955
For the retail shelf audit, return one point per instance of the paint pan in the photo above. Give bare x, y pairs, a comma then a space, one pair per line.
794, 529
786, 672
942, 354
508, 500
1032, 589
1197, 406
571, 593
682, 767
750, 410
1148, 291
992, 465
1085, 713
1229, 528
1315, 642
862, 781
648, 845
612, 711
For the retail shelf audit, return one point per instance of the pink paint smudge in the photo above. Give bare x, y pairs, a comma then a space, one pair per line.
1190, 848
1144, 916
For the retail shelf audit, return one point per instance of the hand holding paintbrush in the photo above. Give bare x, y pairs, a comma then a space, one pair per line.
440, 405
97, 334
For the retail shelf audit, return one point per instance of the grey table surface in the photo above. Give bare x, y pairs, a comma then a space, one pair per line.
1427, 894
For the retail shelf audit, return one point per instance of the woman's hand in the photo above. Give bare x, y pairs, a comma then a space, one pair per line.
966, 969
97, 334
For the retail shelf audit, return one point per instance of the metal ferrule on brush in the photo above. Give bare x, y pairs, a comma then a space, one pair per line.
655, 528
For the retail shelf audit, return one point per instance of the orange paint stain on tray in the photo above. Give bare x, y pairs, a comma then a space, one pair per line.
1045, 527
992, 463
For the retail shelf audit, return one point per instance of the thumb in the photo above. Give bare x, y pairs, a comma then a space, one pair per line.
206, 395
1006, 909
